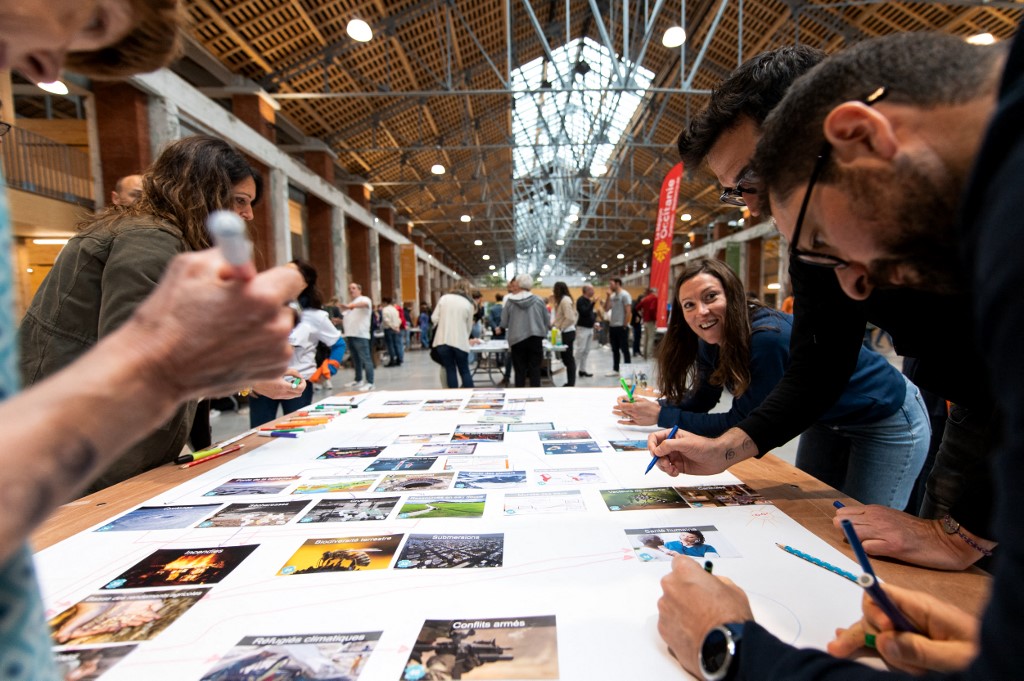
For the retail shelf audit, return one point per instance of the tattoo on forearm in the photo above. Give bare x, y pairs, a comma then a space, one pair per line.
730, 454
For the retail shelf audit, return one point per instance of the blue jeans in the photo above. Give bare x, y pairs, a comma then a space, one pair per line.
263, 409
875, 463
360, 349
393, 341
455, 363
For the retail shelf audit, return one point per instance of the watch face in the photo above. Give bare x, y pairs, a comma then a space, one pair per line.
714, 652
949, 525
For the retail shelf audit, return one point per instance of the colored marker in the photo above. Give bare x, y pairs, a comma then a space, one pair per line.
709, 567
838, 504
819, 562
293, 381
885, 604
229, 234
625, 386
207, 453
654, 459
279, 433
204, 459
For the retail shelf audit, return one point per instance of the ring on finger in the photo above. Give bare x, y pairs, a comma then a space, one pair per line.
869, 640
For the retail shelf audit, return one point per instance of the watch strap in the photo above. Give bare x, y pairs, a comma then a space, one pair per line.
953, 527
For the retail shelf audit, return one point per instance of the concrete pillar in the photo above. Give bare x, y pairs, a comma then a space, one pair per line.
373, 239
164, 123
280, 233
339, 248
122, 122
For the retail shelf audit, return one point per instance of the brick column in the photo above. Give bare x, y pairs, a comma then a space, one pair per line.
320, 225
122, 123
357, 235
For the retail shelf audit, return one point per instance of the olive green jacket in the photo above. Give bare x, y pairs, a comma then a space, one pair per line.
96, 283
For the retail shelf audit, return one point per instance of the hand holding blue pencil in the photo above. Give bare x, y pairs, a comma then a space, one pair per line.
654, 459
869, 582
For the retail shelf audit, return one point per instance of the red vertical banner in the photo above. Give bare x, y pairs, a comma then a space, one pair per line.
663, 231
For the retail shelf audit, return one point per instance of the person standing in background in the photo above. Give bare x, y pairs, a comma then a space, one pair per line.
391, 320
565, 321
647, 308
618, 305
525, 320
356, 323
424, 324
585, 319
126, 190
454, 319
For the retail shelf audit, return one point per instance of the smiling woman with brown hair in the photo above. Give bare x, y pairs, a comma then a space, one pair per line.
871, 443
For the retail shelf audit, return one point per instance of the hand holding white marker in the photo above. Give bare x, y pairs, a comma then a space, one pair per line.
229, 235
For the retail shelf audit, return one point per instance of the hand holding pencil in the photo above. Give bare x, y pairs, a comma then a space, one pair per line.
949, 640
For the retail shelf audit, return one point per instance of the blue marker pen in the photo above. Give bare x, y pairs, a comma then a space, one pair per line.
654, 459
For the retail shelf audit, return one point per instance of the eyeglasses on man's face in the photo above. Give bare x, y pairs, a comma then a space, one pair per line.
4, 128
746, 184
810, 257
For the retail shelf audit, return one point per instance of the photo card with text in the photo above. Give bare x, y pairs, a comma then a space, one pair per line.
722, 495
122, 616
145, 518
350, 510
529, 427
89, 664
182, 567
665, 543
450, 449
422, 438
421, 506
343, 554
300, 657
412, 463
476, 463
255, 514
580, 447
629, 445
333, 484
414, 482
569, 476
555, 435
489, 479
642, 498
351, 453
247, 486
444, 551
504, 649
532, 503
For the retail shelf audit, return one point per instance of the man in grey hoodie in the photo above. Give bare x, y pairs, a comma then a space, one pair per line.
525, 320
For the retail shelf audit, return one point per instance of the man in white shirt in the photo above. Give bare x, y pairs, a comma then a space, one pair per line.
391, 320
356, 324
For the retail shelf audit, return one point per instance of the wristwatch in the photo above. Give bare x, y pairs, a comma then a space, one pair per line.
719, 651
951, 526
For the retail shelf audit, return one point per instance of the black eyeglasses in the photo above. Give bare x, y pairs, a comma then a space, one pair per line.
734, 195
810, 257
4, 128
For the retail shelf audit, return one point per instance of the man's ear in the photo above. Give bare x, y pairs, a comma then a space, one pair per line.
856, 130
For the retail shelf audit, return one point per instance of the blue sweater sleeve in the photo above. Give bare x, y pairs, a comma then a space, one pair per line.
338, 351
769, 356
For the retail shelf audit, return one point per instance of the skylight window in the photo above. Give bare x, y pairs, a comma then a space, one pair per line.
568, 116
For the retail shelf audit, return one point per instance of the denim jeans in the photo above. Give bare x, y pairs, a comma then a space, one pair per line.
455, 363
618, 336
393, 341
584, 335
875, 463
360, 350
263, 409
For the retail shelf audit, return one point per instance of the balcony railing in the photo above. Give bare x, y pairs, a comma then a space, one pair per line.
39, 165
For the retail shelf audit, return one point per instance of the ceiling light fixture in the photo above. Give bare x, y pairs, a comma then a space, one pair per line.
359, 31
593, 273
604, 266
485, 257
478, 243
551, 256
645, 242
437, 169
490, 267
620, 256
49, 242
981, 39
56, 87
465, 218
774, 286
674, 37
573, 218
559, 242
685, 217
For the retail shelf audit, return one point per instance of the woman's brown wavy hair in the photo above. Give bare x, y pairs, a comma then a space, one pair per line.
677, 352
191, 178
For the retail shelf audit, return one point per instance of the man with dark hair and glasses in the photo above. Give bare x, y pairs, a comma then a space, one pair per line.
830, 316
913, 194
